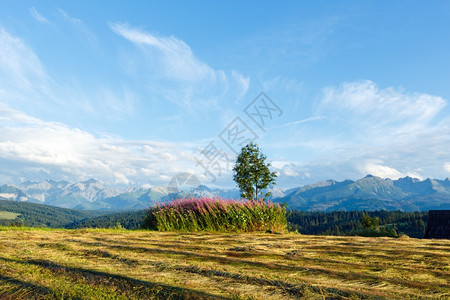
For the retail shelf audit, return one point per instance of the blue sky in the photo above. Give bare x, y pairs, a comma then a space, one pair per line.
134, 93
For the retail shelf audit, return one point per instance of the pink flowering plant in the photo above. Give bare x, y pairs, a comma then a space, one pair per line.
216, 214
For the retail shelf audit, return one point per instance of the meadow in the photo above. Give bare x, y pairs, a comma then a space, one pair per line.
6, 215
140, 264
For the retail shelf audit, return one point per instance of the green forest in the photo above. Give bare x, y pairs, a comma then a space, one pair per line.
413, 224
39, 215
127, 220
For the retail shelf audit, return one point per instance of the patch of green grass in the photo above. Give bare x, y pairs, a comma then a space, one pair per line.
9, 228
7, 215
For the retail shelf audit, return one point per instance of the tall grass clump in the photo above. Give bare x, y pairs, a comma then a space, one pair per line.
216, 214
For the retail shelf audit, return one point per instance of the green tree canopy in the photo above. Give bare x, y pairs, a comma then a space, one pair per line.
368, 222
251, 173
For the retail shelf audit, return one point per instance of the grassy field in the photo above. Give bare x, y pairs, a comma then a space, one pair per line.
119, 264
6, 215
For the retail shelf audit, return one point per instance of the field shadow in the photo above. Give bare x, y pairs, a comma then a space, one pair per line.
22, 289
349, 275
129, 286
298, 290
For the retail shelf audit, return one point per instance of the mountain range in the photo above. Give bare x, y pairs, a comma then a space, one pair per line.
368, 193
371, 193
94, 195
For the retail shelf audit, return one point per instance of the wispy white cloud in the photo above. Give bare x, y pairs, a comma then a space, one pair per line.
383, 112
85, 33
367, 130
178, 60
119, 103
298, 122
302, 43
37, 16
174, 73
36, 149
243, 84
18, 64
26, 85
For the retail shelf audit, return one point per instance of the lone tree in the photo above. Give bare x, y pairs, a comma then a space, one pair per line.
369, 222
252, 173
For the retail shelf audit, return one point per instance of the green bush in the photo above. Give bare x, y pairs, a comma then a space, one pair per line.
387, 231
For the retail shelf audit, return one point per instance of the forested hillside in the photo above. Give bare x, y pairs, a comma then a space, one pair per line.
127, 220
38, 215
412, 224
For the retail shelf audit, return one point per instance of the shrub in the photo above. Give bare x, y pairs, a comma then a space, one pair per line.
387, 231
215, 214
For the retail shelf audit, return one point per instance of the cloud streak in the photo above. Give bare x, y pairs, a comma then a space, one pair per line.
37, 16
298, 122
85, 33
177, 58
177, 75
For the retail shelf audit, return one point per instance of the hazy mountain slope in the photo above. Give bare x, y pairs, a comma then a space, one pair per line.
42, 190
371, 193
130, 200
9, 192
302, 197
64, 194
80, 194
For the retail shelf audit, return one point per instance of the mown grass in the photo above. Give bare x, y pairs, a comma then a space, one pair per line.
120, 264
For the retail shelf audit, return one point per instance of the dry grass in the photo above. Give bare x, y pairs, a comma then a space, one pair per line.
114, 264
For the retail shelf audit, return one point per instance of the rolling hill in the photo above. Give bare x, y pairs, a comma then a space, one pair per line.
127, 220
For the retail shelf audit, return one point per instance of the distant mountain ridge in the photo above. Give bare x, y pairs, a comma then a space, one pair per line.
368, 193
371, 193
94, 195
